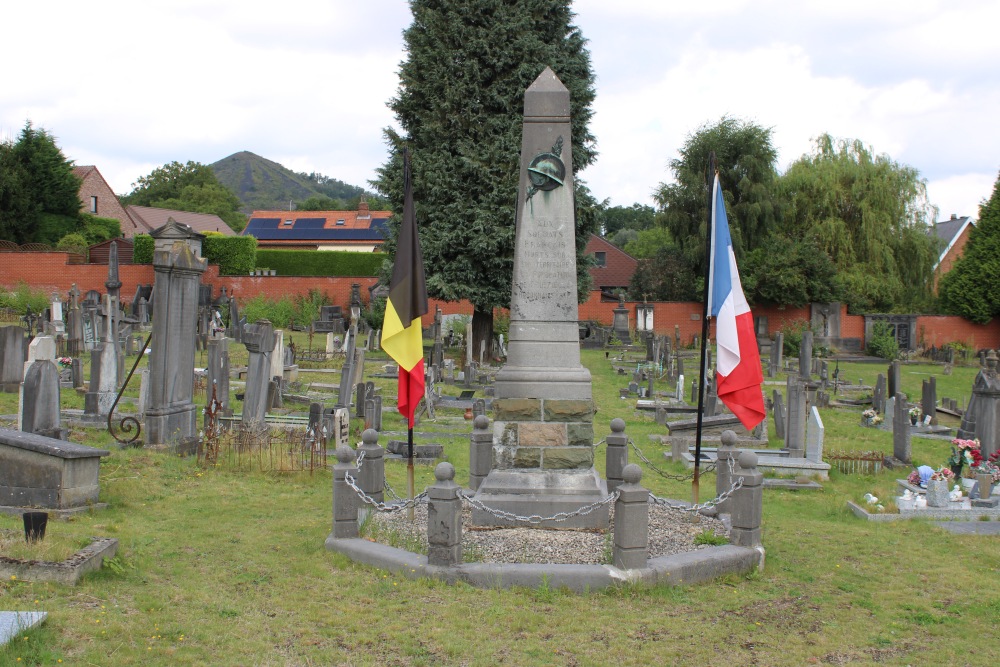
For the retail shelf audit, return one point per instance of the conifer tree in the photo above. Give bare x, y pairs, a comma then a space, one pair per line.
460, 106
969, 289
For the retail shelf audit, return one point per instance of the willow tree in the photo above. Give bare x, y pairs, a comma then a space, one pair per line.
870, 214
460, 107
969, 289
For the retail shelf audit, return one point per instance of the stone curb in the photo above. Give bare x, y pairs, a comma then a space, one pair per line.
692, 567
67, 572
904, 515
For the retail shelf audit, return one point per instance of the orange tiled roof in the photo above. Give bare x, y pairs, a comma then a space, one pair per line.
351, 219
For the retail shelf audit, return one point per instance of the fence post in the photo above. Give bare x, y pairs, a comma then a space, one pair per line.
747, 503
480, 451
345, 500
371, 477
725, 463
444, 518
631, 521
616, 454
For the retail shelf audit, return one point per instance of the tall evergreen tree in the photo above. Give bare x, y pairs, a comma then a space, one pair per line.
460, 106
870, 214
969, 289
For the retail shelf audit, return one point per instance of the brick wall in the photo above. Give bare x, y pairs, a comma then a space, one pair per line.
50, 271
108, 206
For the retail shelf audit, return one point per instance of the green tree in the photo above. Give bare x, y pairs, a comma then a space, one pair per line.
745, 158
969, 289
459, 105
187, 187
636, 217
791, 272
320, 203
870, 215
39, 194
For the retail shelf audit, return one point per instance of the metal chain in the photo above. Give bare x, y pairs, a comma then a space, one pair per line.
663, 502
535, 519
384, 507
599, 443
667, 475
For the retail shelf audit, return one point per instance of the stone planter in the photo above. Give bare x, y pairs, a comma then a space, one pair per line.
937, 493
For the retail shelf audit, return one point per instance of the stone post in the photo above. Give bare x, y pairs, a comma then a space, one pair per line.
480, 451
795, 424
444, 518
371, 477
901, 430
747, 503
631, 521
171, 413
345, 500
218, 370
805, 356
616, 456
724, 468
259, 341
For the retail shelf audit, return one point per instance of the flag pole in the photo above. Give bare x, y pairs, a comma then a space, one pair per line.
704, 335
409, 468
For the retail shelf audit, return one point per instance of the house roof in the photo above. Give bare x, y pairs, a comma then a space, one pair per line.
618, 266
149, 218
949, 231
83, 171
361, 226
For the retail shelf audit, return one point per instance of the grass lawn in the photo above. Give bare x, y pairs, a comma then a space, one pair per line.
218, 567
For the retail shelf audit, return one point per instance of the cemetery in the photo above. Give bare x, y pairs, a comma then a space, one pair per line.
581, 493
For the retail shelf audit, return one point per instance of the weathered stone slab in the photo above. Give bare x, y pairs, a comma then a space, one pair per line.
38, 471
517, 409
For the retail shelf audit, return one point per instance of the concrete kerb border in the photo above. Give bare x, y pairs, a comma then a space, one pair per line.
683, 569
69, 571
974, 514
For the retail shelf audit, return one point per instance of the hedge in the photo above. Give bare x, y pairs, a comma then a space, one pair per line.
321, 263
235, 255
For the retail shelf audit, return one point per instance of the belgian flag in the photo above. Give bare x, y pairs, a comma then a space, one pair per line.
401, 333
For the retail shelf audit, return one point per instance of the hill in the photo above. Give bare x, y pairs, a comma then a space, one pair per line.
263, 184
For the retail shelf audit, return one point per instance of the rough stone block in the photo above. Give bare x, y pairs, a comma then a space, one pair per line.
540, 434
580, 434
528, 457
517, 409
568, 458
561, 410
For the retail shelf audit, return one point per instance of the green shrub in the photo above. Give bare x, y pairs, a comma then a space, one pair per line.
280, 312
96, 229
321, 263
235, 255
793, 336
142, 249
307, 306
21, 296
374, 314
74, 242
882, 343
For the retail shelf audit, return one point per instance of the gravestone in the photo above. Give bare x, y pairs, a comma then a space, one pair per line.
259, 341
543, 432
619, 322
74, 324
894, 383
878, 395
982, 416
171, 416
341, 428
901, 431
928, 403
805, 357
56, 325
347, 372
103, 387
277, 355
12, 355
41, 348
76, 372
795, 426
814, 436
778, 413
218, 371
39, 411
143, 402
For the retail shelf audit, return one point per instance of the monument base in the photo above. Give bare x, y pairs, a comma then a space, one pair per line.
543, 493
171, 425
543, 382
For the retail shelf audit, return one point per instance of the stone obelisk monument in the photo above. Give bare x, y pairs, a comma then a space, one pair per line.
543, 457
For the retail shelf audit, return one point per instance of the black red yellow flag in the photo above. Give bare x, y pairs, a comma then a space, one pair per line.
401, 332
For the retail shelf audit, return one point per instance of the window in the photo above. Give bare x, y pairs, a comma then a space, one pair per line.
601, 258
288, 223
340, 222
93, 204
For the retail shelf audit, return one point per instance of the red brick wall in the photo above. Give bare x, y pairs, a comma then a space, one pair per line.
49, 271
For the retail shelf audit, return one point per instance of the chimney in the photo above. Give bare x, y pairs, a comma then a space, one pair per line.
363, 210
954, 216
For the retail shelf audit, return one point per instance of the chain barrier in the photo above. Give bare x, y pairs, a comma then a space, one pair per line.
722, 497
666, 475
599, 443
535, 519
419, 499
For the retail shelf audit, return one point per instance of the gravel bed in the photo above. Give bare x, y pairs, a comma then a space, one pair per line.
670, 532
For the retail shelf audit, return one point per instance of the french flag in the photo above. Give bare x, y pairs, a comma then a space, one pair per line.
738, 372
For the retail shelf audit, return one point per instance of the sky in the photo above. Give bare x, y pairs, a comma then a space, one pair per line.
129, 86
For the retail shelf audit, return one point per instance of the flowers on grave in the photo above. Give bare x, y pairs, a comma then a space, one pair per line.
989, 466
871, 417
916, 412
964, 453
942, 474
64, 362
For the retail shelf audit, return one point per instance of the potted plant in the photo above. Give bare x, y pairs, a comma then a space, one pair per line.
965, 456
871, 417
988, 474
915, 414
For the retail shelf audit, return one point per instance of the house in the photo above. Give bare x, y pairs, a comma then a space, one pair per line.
613, 268
360, 231
97, 198
953, 234
148, 218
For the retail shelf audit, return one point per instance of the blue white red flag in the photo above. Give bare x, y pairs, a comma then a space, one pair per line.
738, 372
